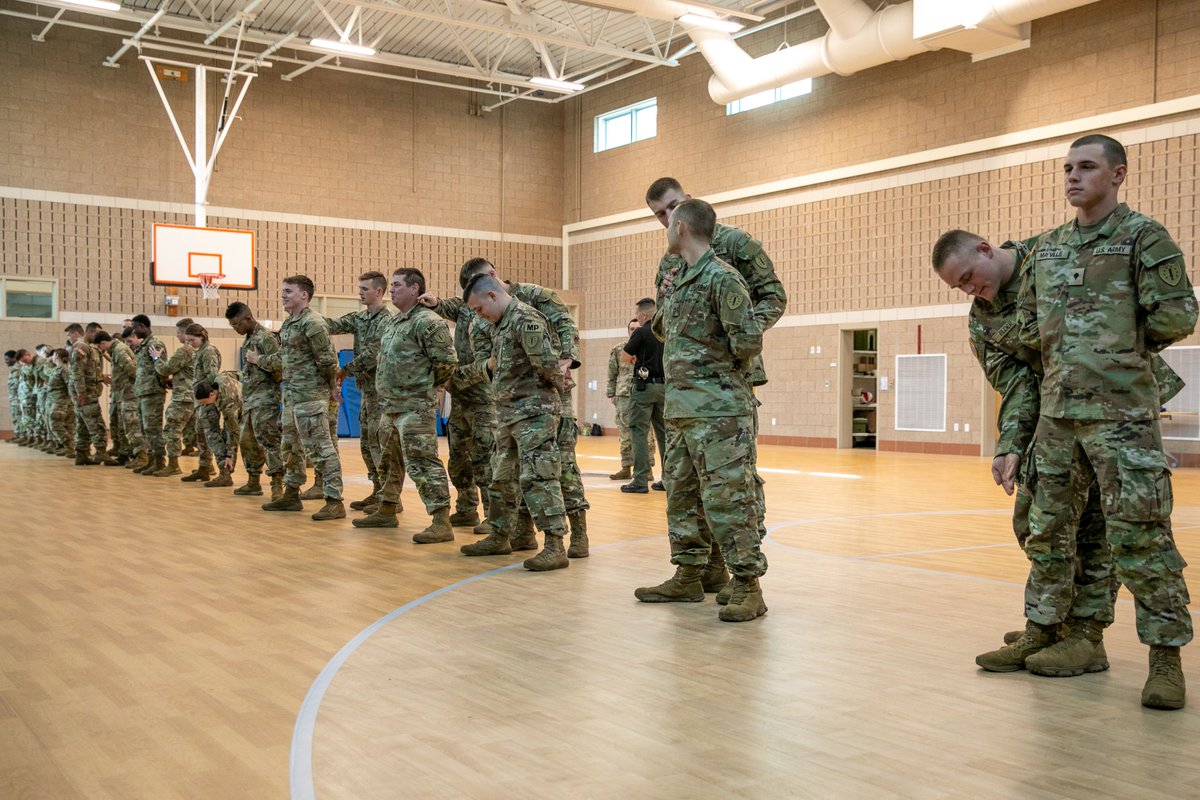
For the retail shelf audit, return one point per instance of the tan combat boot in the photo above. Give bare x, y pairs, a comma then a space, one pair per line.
1081, 651
384, 516
333, 509
1164, 687
552, 556
370, 500
495, 544
288, 501
623, 474
745, 602
682, 587
1011, 657
465, 518
524, 538
168, 469
224, 478
439, 530
276, 487
253, 487
716, 576
485, 528
202, 473
138, 464
317, 490
579, 537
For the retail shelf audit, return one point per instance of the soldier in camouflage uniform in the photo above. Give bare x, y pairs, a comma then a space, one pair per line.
208, 417
124, 374
179, 370
565, 335
367, 326
527, 380
710, 335
41, 407
619, 390
309, 368
151, 392
62, 411
225, 395
85, 376
1104, 292
14, 383
261, 436
27, 398
746, 255
416, 356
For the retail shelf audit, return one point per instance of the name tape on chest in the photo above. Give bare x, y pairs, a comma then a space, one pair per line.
1052, 253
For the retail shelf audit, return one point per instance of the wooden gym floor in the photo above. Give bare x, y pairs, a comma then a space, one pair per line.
162, 640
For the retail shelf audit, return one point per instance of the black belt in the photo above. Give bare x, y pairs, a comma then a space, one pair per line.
652, 380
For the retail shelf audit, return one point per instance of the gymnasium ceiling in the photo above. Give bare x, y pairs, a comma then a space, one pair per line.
493, 47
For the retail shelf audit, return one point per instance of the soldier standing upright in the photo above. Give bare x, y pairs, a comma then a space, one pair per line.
416, 356
62, 412
151, 393
207, 418
309, 369
261, 437
125, 407
86, 385
620, 386
179, 370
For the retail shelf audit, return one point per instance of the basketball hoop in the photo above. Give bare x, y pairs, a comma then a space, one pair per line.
211, 283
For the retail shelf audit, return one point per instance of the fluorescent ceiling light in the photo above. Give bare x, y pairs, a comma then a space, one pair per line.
103, 5
342, 47
711, 23
553, 83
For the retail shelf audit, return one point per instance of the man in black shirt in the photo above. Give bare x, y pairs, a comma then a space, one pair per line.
648, 398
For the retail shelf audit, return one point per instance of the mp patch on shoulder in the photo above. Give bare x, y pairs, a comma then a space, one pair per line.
532, 334
1171, 273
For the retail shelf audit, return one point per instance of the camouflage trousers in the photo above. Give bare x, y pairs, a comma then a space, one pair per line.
14, 411
623, 407
368, 434
1127, 462
62, 423
1096, 582
261, 440
90, 428
709, 465
29, 413
126, 412
306, 434
333, 408
43, 414
408, 440
471, 432
150, 413
179, 418
116, 425
208, 431
526, 467
646, 416
216, 436
570, 480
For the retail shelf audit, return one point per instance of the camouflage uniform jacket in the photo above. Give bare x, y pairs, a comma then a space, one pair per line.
709, 336
208, 364
148, 382
85, 372
260, 384
229, 404
181, 369
56, 383
416, 356
308, 362
620, 374
367, 327
473, 345
124, 370
562, 327
527, 380
29, 379
1099, 302
14, 380
746, 255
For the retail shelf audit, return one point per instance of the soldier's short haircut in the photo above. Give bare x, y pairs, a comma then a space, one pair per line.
698, 216
378, 279
1114, 151
183, 323
94, 326
411, 277
204, 389
10, 353
303, 283
476, 266
101, 337
62, 353
41, 347
481, 284
125, 334
74, 327
952, 242
645, 304
21, 353
632, 321
236, 309
661, 187
196, 329
142, 319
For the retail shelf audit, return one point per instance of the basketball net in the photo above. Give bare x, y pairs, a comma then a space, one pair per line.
211, 283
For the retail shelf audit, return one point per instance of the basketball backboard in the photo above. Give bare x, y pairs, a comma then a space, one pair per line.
182, 254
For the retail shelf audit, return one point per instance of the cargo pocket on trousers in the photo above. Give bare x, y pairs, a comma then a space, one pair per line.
1145, 485
726, 459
